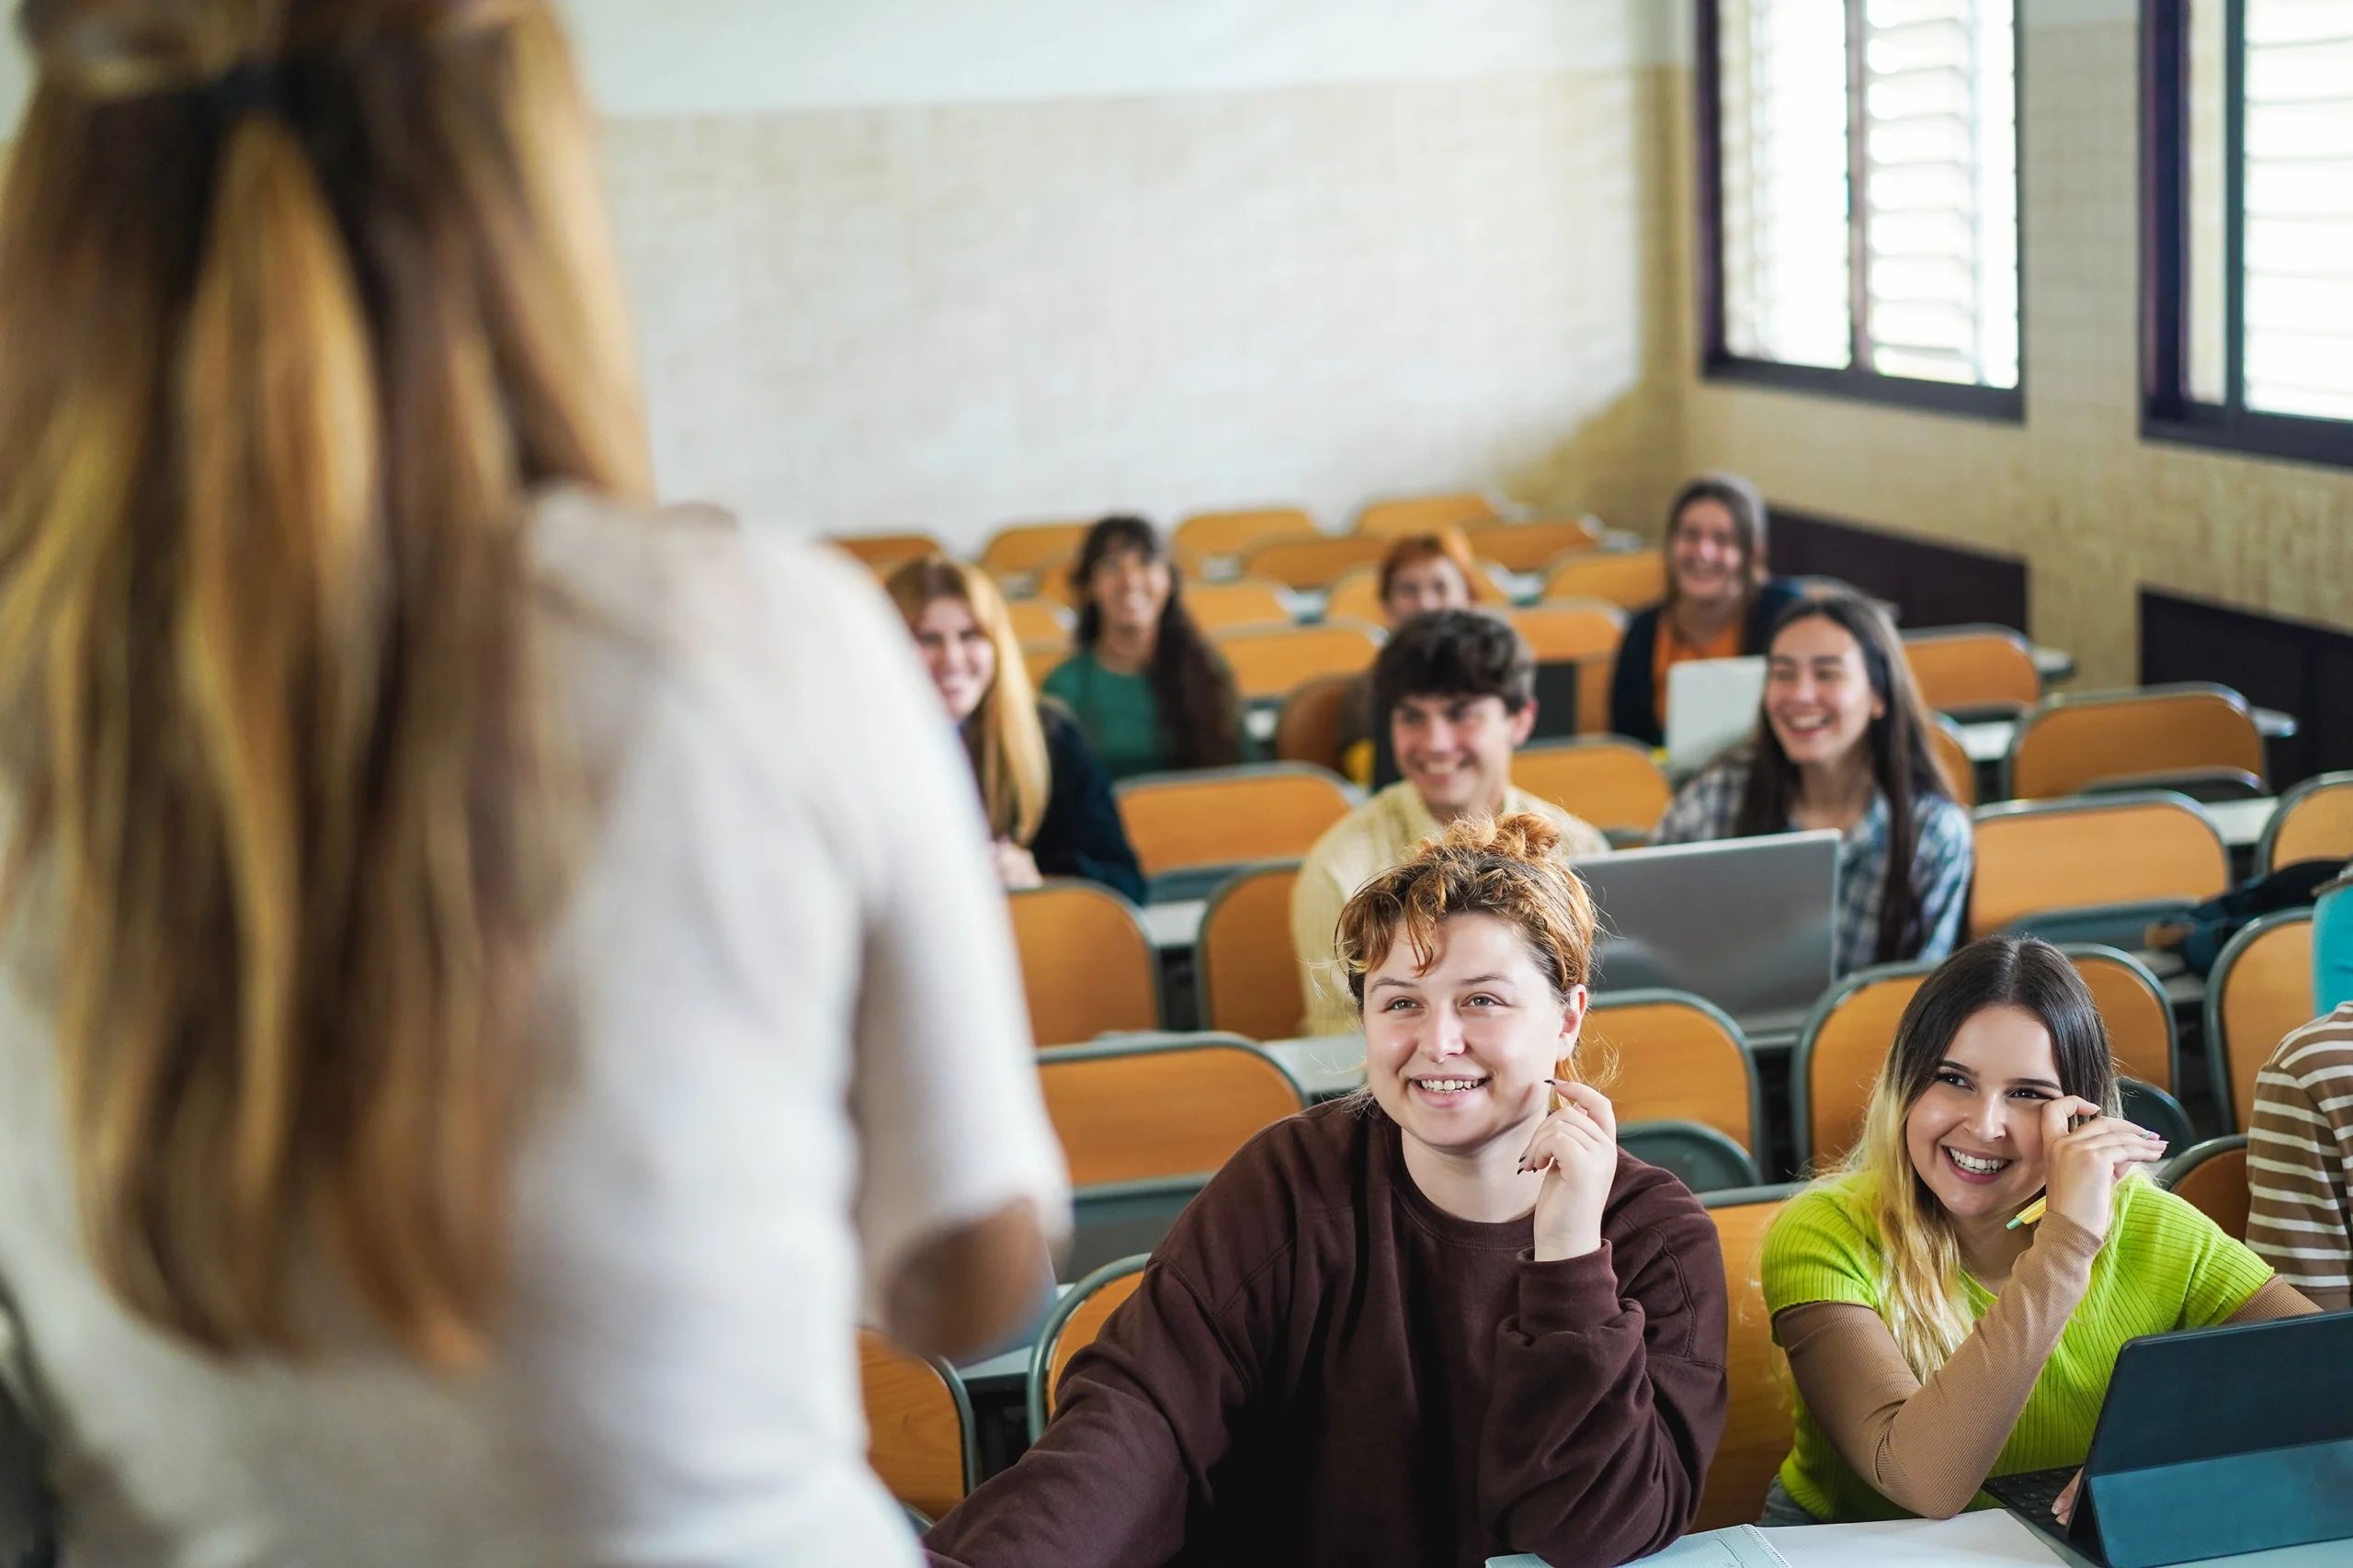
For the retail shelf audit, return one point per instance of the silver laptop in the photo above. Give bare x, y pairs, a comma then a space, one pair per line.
1710, 705
1745, 923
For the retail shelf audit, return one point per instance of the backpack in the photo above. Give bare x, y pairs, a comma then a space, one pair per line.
2202, 934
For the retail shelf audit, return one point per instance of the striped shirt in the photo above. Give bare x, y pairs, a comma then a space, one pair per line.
2299, 1160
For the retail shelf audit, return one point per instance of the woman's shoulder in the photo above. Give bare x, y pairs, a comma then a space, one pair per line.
1274, 1194
1943, 822
1825, 1245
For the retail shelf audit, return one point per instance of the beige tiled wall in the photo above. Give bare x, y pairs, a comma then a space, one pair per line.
2095, 510
954, 316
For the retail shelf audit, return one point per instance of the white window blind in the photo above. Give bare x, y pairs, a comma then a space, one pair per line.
2299, 207
1913, 105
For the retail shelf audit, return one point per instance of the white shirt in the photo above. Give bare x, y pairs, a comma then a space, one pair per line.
791, 1039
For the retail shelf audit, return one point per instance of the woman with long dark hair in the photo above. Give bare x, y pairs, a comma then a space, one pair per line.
1147, 687
1721, 603
486, 963
1842, 742
1932, 1344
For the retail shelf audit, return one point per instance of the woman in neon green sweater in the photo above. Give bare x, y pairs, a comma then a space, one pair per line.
1932, 1345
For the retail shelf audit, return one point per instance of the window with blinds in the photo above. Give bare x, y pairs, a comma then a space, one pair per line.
2252, 275
1866, 186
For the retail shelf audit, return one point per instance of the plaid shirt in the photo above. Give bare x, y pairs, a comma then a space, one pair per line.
1705, 808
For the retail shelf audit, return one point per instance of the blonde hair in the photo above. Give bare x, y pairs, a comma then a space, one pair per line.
277, 377
1923, 1299
1006, 741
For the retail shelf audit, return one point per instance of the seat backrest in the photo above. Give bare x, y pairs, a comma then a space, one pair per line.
918, 1426
1952, 760
1050, 579
1269, 661
1042, 657
1759, 1416
1072, 1326
1397, 515
1146, 1111
2212, 1177
1208, 535
1025, 547
1355, 596
2067, 742
881, 552
1243, 960
1557, 632
1087, 965
1974, 668
2315, 822
1227, 816
1700, 1157
2132, 1002
1839, 1055
1039, 620
2259, 992
1670, 1056
1533, 546
1611, 783
1630, 579
1316, 562
1308, 728
2036, 856
1249, 601
1594, 676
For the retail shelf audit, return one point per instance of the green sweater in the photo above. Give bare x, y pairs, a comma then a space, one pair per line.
1119, 714
2165, 1267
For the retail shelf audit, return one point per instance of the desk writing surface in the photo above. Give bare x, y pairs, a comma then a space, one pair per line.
1989, 1538
1175, 924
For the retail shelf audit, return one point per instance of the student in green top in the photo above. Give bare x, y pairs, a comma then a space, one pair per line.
1932, 1345
1147, 687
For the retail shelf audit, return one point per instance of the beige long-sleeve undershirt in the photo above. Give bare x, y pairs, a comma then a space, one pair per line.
1928, 1446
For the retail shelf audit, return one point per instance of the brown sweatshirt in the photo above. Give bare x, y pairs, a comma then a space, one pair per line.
1321, 1367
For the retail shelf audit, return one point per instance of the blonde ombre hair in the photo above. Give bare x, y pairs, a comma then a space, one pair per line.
300, 300
1006, 741
1922, 1298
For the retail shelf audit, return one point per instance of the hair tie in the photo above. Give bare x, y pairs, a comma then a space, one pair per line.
250, 87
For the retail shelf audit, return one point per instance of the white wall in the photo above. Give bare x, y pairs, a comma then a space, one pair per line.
932, 263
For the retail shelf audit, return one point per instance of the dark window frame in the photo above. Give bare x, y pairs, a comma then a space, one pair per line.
1718, 363
2168, 414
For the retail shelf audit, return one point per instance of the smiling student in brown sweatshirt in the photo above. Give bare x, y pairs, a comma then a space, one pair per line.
1445, 1321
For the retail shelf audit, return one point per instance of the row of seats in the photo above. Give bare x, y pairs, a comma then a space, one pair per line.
920, 1422
1301, 553
2094, 867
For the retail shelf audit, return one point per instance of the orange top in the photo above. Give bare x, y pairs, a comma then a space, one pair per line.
1668, 651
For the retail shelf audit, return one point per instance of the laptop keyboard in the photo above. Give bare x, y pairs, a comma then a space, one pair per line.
2029, 1494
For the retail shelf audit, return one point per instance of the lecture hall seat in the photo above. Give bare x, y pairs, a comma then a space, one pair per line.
2151, 735
1982, 671
2313, 822
1215, 536
1759, 1419
1395, 516
2259, 992
919, 1435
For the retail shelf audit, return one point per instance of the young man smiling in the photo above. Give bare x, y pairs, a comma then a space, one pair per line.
1457, 689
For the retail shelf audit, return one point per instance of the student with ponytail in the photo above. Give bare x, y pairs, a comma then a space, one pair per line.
1440, 1321
457, 1045
1930, 1343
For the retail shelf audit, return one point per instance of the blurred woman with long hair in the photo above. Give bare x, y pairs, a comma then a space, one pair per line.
1048, 803
1721, 600
1147, 687
438, 1006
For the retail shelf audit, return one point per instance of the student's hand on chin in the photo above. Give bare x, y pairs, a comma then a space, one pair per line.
1575, 1149
2082, 1166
